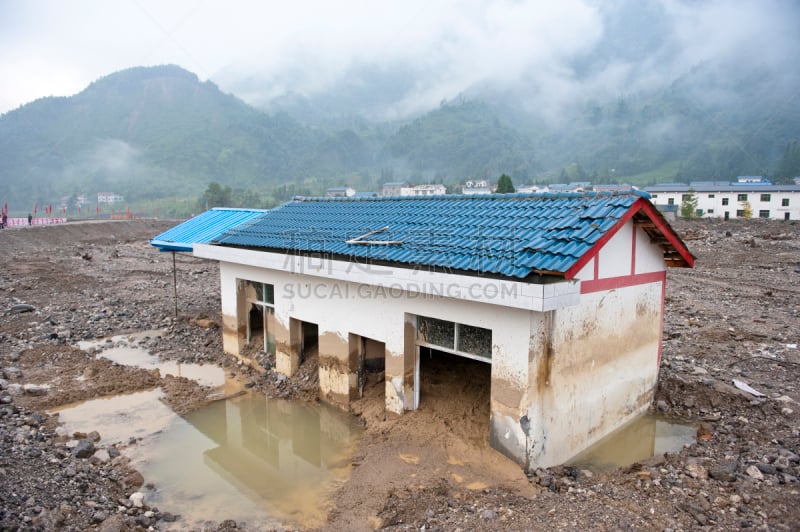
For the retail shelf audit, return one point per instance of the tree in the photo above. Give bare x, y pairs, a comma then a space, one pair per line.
747, 209
689, 204
216, 196
504, 185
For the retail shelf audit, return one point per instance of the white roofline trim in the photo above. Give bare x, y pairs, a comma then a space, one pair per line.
414, 283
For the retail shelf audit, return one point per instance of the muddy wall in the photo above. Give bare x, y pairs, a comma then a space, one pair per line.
341, 308
593, 367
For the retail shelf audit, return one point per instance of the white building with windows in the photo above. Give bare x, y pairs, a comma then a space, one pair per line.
109, 197
742, 199
424, 190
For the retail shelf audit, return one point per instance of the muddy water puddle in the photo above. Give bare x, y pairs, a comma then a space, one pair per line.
267, 462
642, 438
130, 350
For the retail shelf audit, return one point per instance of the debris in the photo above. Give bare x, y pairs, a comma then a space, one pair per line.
20, 308
746, 388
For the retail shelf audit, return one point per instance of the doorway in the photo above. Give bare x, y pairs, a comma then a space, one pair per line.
368, 359
456, 390
309, 341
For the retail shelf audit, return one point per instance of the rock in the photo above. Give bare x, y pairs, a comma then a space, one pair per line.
169, 518
753, 472
696, 512
12, 372
137, 498
115, 523
489, 515
36, 390
100, 456
725, 472
143, 520
99, 517
767, 469
94, 436
697, 471
205, 323
134, 479
84, 449
662, 405
697, 370
20, 308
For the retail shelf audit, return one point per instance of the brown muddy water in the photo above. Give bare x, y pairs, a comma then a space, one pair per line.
642, 438
266, 462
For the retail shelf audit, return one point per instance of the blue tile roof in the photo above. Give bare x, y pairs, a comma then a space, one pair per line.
511, 235
203, 228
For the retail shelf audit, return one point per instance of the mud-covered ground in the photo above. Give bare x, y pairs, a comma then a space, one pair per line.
735, 316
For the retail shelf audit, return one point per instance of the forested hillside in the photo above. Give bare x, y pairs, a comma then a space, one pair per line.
151, 133
154, 132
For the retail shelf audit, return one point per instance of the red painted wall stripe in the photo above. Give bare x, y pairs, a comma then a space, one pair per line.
610, 283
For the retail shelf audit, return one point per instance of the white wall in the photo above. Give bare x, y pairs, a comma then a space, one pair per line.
711, 202
342, 307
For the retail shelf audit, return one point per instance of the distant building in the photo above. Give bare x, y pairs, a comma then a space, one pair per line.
721, 199
623, 187
527, 189
393, 188
423, 190
477, 187
564, 187
752, 180
109, 197
362, 195
339, 192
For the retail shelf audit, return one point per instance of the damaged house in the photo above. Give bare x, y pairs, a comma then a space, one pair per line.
561, 294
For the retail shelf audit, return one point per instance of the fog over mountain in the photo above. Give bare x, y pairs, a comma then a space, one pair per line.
552, 58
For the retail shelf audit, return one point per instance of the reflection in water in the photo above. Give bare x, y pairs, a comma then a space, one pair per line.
251, 459
262, 461
640, 439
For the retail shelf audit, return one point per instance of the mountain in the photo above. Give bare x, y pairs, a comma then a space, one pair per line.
156, 132
460, 141
152, 132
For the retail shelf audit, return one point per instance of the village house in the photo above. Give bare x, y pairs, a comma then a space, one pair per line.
561, 294
747, 197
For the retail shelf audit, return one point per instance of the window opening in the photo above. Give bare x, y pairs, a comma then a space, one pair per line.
455, 338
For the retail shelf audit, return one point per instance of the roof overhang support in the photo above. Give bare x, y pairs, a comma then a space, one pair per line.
676, 254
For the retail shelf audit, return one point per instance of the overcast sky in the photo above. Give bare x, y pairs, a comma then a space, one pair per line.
54, 47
